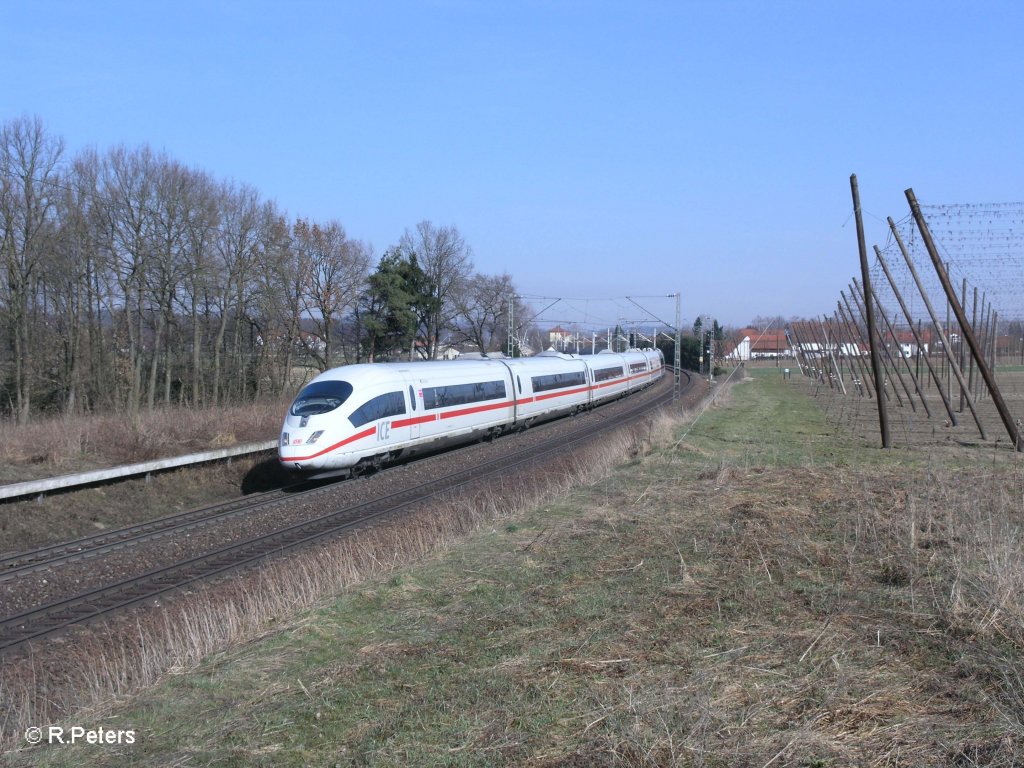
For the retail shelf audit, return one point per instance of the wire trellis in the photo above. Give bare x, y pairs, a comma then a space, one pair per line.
942, 381
982, 246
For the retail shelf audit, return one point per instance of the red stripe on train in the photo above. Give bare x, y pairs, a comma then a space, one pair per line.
477, 409
346, 441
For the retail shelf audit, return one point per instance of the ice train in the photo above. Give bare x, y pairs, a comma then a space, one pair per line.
366, 415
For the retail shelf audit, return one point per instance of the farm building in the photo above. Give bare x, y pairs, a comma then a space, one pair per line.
752, 344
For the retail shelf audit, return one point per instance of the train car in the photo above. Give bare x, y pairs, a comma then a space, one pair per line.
366, 415
549, 385
644, 367
609, 374
375, 412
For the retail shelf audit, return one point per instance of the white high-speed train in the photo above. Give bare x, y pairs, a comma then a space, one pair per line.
366, 415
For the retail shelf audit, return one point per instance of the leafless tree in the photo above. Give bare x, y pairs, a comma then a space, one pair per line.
338, 271
128, 182
281, 278
482, 311
71, 271
446, 259
238, 251
29, 169
764, 322
171, 261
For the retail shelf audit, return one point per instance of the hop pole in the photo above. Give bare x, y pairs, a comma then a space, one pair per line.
968, 332
876, 363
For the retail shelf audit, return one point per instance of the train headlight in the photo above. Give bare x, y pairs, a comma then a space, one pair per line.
314, 437
284, 438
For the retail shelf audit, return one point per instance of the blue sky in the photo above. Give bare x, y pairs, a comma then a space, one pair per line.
589, 149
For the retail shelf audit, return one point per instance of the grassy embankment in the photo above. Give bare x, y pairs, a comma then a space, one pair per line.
755, 590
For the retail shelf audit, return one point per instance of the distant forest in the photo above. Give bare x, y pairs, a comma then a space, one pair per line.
129, 281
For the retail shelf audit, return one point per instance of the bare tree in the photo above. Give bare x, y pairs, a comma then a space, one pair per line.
71, 269
281, 278
127, 185
199, 284
133, 281
482, 311
169, 263
238, 251
29, 159
447, 261
338, 271
764, 322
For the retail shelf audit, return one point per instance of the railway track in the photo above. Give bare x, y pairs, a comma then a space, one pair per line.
36, 623
23, 563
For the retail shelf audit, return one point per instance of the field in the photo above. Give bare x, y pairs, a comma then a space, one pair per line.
756, 584
916, 423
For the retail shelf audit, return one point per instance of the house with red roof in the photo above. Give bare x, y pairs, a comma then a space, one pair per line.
752, 344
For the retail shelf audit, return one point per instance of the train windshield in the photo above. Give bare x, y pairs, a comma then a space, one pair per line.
321, 397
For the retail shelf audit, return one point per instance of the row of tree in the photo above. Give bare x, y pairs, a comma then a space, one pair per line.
128, 280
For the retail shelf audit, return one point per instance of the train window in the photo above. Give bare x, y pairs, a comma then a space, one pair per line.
412, 397
559, 381
520, 383
460, 394
380, 407
637, 367
321, 397
604, 374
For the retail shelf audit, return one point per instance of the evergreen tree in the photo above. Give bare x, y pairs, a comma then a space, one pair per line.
391, 306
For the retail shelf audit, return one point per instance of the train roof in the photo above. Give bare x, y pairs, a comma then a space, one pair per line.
421, 369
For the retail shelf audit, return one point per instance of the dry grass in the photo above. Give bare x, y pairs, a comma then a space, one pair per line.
63, 445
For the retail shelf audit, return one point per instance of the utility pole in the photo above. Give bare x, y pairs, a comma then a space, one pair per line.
678, 362
511, 325
709, 330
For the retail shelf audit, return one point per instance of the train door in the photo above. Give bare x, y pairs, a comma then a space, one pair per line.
423, 417
416, 405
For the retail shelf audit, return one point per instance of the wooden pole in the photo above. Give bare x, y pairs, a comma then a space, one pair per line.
800, 351
876, 366
974, 324
917, 336
887, 363
835, 367
899, 356
854, 338
863, 341
986, 373
936, 325
963, 357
